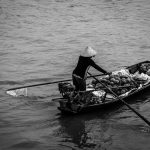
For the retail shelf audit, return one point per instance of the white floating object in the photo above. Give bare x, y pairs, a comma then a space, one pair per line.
18, 92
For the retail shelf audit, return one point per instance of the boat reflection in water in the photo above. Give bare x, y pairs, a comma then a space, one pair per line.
86, 130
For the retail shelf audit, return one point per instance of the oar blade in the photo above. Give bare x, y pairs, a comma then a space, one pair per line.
17, 92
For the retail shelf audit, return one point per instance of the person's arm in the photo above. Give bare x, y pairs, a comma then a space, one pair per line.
93, 64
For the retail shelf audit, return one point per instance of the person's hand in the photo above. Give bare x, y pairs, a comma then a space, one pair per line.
108, 73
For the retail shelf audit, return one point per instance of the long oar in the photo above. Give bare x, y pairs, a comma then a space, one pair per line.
142, 117
22, 90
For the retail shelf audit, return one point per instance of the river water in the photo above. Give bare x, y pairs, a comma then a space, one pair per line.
40, 41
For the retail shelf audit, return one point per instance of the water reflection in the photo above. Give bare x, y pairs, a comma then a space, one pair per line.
87, 130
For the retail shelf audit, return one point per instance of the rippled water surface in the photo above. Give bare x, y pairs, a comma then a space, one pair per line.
40, 41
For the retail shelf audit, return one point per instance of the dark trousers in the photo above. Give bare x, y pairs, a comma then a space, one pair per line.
79, 83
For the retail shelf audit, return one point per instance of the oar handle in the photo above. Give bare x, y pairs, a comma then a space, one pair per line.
142, 117
33, 85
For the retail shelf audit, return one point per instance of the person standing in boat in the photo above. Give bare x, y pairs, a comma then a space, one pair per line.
80, 72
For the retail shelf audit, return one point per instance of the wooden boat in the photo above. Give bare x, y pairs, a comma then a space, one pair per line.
67, 107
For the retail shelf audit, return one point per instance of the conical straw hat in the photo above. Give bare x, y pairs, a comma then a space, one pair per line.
89, 52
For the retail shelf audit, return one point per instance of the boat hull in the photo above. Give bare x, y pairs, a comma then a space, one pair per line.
66, 107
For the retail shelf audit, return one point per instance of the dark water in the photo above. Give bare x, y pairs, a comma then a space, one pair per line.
40, 41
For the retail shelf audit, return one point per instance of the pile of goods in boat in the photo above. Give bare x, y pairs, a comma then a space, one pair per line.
86, 97
123, 81
120, 84
65, 89
145, 68
142, 74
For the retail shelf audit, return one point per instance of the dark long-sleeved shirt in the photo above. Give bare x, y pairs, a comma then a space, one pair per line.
83, 65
